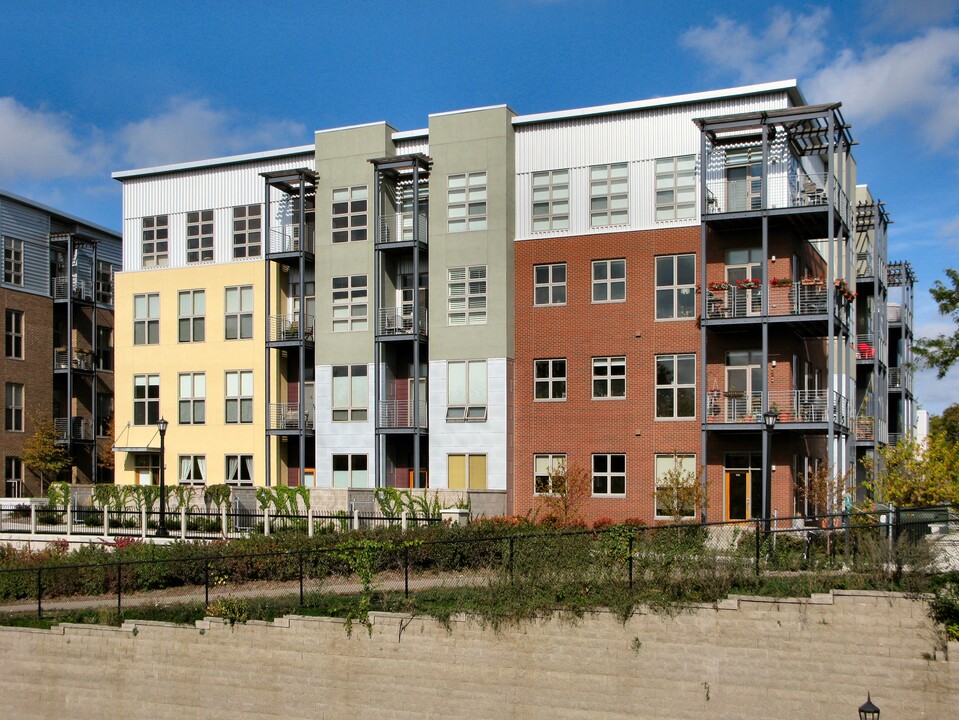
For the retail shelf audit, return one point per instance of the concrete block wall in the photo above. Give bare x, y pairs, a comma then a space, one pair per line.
746, 657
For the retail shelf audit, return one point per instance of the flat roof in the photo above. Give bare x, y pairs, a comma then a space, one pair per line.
227, 160
58, 213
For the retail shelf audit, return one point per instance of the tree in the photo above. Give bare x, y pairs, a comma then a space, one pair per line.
105, 456
942, 352
947, 423
679, 493
42, 454
569, 486
909, 474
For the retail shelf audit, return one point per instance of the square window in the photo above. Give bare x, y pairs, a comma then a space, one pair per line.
192, 469
609, 281
239, 469
549, 381
549, 474
351, 471
466, 472
549, 284
609, 377
609, 474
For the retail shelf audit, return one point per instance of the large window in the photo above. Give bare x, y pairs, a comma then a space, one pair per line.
104, 348
192, 316
675, 287
351, 392
549, 473
549, 284
13, 407
192, 469
146, 399
608, 195
549, 379
466, 472
609, 474
350, 471
247, 231
675, 386
609, 377
192, 407
156, 241
467, 295
146, 319
13, 334
349, 216
199, 236
239, 396
676, 188
239, 469
239, 313
466, 196
551, 200
466, 399
350, 303
13, 475
676, 489
12, 261
609, 281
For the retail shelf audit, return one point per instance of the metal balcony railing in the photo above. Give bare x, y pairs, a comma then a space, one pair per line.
865, 265
82, 360
784, 190
287, 327
894, 312
286, 239
399, 228
399, 321
865, 346
82, 428
286, 416
399, 414
82, 289
793, 406
865, 428
898, 377
728, 301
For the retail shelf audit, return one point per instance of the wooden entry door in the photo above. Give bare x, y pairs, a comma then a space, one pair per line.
744, 494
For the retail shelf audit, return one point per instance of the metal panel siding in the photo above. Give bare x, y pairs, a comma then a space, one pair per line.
415, 145
33, 227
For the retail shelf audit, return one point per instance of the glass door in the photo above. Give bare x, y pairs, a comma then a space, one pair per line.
744, 273
744, 176
744, 384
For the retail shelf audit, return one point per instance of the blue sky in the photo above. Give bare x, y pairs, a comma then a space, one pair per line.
87, 88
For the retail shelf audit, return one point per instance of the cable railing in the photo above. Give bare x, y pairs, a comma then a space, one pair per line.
286, 416
399, 228
399, 321
286, 239
792, 406
287, 327
399, 414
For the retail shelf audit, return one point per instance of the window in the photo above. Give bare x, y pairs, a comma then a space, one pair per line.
239, 396
13, 407
146, 319
104, 348
466, 196
609, 377
192, 398
676, 188
350, 303
350, 214
147, 468
13, 334
609, 474
675, 287
104, 414
239, 469
239, 313
192, 469
466, 387
550, 200
146, 399
350, 471
13, 474
676, 489
104, 283
12, 261
549, 284
192, 320
466, 472
609, 281
549, 474
549, 379
350, 393
247, 233
199, 236
467, 295
675, 386
608, 195
156, 242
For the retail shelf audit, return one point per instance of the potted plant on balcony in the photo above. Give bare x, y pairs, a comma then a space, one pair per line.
812, 280
718, 286
781, 282
749, 284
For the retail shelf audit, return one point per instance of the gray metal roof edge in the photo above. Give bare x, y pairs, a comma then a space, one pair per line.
226, 160
59, 213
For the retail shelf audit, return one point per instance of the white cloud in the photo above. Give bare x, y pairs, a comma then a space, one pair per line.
909, 14
191, 129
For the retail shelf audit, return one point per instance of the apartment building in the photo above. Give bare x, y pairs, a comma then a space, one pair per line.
56, 298
623, 289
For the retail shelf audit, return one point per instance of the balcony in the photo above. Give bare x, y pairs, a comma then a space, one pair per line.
286, 328
286, 416
724, 301
399, 228
286, 240
865, 428
866, 347
82, 360
399, 414
783, 190
793, 406
898, 377
894, 313
82, 289
399, 321
82, 429
865, 265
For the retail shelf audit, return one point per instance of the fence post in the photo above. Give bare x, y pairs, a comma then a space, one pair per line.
309, 522
69, 518
206, 582
183, 522
106, 521
406, 569
223, 521
630, 562
404, 520
266, 521
33, 519
119, 587
758, 543
511, 559
143, 522
39, 593
355, 524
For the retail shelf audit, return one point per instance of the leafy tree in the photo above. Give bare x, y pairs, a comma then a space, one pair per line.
570, 486
942, 352
947, 423
909, 474
105, 455
679, 493
42, 454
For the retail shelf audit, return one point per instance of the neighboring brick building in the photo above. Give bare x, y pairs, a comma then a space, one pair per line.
56, 298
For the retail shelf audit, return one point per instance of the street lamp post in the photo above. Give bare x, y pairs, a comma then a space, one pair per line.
769, 424
162, 426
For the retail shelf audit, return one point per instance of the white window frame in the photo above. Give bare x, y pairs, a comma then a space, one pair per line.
353, 473
150, 399
146, 319
13, 476
469, 483
12, 261
199, 236
608, 279
550, 194
13, 404
191, 319
238, 397
543, 465
350, 214
191, 469
351, 303
191, 403
550, 377
676, 188
155, 241
469, 402
674, 387
667, 270
549, 284
13, 334
466, 197
663, 462
247, 231
609, 195
238, 312
467, 299
609, 372
238, 469
603, 478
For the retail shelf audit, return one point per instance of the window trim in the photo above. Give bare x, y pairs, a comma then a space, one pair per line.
550, 379
350, 470
194, 403
239, 399
194, 323
467, 471
551, 284
195, 462
609, 362
675, 173
244, 461
552, 460
149, 321
609, 282
609, 474
146, 401
674, 386
676, 288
